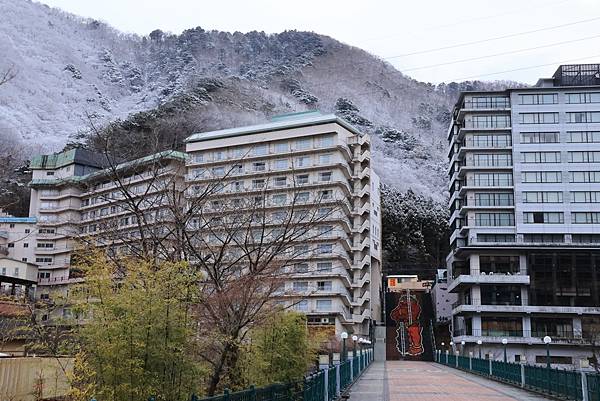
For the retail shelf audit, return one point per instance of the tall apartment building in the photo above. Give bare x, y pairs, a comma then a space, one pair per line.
303, 159
525, 212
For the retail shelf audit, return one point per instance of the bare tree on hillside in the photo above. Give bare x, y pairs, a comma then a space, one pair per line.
7, 75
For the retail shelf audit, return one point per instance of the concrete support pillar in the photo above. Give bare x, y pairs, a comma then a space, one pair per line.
523, 264
474, 264
524, 296
577, 328
476, 325
476, 295
527, 326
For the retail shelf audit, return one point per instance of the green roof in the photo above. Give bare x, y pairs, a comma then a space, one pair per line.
57, 160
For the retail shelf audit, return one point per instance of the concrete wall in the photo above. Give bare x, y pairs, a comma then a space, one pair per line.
22, 378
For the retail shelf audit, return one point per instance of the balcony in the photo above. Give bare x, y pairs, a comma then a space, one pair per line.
468, 280
489, 103
528, 337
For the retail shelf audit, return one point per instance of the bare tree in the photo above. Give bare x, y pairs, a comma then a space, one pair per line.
245, 241
7, 75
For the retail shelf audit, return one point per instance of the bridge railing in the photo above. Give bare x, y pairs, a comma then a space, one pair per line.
566, 384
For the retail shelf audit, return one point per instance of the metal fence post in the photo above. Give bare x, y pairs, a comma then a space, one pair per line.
352, 369
522, 375
470, 362
456, 360
584, 387
490, 361
226, 394
337, 381
326, 385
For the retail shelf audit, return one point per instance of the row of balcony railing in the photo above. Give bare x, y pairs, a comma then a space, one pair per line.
556, 335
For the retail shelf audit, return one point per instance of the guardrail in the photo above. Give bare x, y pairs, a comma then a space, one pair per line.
566, 384
326, 384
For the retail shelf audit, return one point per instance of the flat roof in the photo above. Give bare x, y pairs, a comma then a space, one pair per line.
286, 121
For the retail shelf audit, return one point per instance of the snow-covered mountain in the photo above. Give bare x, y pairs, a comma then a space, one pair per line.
72, 72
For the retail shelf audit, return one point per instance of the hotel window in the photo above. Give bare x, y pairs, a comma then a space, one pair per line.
494, 159
300, 250
492, 179
279, 199
489, 141
585, 197
541, 176
543, 197
324, 285
540, 137
301, 306
538, 118
218, 171
303, 161
494, 199
198, 157
325, 195
301, 268
281, 147
585, 217
325, 248
540, 157
325, 159
43, 245
581, 98
584, 157
218, 155
584, 136
302, 197
543, 217
494, 219
237, 186
302, 179
280, 181
325, 141
584, 176
586, 238
324, 211
12, 245
491, 121
258, 184
324, 266
300, 285
544, 238
238, 153
324, 304
541, 98
259, 166
303, 144
495, 238
583, 117
325, 176
260, 150
237, 169
280, 164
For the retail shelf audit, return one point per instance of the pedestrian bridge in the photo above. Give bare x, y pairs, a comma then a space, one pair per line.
428, 381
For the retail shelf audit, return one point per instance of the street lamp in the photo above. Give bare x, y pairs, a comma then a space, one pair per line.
354, 339
462, 347
504, 342
479, 342
344, 336
547, 341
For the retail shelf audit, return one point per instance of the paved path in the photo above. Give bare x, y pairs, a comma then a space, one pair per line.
427, 381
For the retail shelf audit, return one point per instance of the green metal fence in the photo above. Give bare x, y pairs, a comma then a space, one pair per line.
565, 384
324, 385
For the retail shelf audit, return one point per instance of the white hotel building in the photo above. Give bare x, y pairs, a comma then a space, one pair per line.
337, 283
525, 213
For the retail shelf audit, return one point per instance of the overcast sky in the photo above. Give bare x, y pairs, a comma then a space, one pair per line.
393, 29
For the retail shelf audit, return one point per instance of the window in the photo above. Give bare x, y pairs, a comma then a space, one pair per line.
325, 159
489, 141
302, 306
50, 173
45, 245
581, 98
486, 102
488, 121
540, 157
302, 197
260, 150
258, 184
302, 179
584, 136
325, 248
303, 161
539, 118
326, 195
583, 117
237, 186
543, 217
218, 171
495, 238
300, 250
218, 155
584, 176
124, 221
237, 169
541, 98
492, 179
46, 230
25, 245
324, 304
280, 181
584, 157
494, 199
540, 137
554, 360
325, 176
544, 238
543, 197
324, 286
325, 230
198, 157
16, 272
541, 176
585, 197
259, 166
303, 144
281, 147
301, 268
43, 275
300, 285
494, 219
585, 217
324, 266
586, 238
494, 159
280, 164
324, 211
43, 260
279, 199
325, 141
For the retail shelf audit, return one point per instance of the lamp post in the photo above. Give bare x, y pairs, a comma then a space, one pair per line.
462, 347
344, 336
354, 340
479, 342
547, 341
504, 342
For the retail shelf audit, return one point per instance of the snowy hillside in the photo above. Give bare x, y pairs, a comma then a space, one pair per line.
73, 71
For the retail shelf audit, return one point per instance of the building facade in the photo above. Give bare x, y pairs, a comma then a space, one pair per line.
525, 206
307, 159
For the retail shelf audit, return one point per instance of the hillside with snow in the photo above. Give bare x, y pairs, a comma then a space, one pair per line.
74, 72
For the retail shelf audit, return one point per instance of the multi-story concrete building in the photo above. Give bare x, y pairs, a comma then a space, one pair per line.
525, 207
304, 159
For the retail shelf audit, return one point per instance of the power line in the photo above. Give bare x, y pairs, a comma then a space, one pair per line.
512, 35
